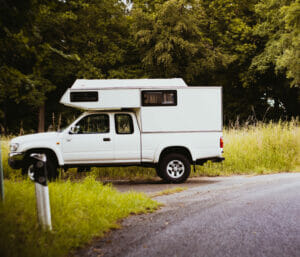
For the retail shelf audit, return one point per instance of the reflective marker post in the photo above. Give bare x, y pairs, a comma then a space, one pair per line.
1, 176
39, 176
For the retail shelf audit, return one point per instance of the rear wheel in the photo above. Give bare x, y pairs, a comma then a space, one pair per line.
52, 172
174, 168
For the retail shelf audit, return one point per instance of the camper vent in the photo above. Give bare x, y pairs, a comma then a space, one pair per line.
88, 96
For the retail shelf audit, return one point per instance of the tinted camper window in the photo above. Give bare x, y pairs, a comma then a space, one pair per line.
88, 96
159, 98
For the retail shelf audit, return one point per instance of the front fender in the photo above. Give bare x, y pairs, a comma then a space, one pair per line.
56, 148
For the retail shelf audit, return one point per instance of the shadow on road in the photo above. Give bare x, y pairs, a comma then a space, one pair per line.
156, 185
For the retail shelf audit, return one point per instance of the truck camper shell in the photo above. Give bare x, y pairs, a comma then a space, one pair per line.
110, 94
160, 123
161, 105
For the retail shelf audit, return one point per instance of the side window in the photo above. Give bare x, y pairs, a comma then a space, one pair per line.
95, 123
88, 96
124, 124
159, 98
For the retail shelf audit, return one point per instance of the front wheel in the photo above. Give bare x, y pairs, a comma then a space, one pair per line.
174, 168
52, 172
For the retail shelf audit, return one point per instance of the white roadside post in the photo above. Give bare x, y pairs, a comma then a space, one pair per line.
1, 177
38, 174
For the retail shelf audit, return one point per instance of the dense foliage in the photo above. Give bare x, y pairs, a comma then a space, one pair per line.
250, 47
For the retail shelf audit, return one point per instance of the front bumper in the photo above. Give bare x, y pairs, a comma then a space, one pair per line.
16, 160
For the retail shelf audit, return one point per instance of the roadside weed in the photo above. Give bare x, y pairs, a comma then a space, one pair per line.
259, 149
80, 211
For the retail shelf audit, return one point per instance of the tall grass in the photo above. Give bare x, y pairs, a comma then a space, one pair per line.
80, 211
8, 171
256, 149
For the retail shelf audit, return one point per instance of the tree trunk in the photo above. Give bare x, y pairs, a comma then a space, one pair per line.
5, 127
41, 127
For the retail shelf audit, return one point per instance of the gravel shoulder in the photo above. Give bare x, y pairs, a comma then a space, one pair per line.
223, 216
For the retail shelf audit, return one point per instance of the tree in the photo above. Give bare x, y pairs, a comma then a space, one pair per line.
28, 53
276, 69
52, 44
279, 29
230, 27
250, 47
173, 41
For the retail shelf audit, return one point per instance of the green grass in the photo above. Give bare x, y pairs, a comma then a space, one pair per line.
8, 171
257, 149
80, 211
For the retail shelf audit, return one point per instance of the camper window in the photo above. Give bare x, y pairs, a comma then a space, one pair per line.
95, 123
159, 98
88, 96
124, 124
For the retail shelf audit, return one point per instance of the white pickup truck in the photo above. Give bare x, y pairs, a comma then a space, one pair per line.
161, 123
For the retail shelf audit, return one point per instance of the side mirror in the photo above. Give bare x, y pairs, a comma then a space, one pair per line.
71, 131
74, 130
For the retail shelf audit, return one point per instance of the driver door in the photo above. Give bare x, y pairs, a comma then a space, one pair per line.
91, 140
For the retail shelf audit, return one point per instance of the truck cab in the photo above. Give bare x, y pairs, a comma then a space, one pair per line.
102, 138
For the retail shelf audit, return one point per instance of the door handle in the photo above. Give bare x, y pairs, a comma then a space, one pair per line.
106, 139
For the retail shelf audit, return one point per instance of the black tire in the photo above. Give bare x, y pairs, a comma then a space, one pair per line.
52, 172
158, 172
174, 168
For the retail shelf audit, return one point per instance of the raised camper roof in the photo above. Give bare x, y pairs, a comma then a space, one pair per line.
94, 84
103, 94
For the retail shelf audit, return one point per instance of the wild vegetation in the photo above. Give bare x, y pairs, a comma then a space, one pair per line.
248, 47
80, 211
258, 149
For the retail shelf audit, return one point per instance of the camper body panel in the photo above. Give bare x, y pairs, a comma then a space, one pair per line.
115, 93
88, 84
108, 99
197, 110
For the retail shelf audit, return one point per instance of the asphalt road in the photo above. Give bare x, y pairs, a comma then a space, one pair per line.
232, 216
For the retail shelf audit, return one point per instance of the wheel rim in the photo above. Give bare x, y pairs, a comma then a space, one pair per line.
175, 169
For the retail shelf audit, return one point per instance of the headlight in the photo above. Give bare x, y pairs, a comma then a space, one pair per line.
14, 147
